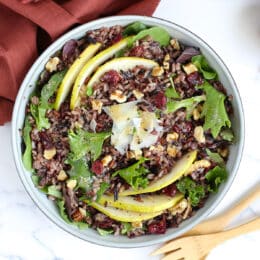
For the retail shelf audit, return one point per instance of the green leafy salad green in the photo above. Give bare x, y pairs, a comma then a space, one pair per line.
140, 140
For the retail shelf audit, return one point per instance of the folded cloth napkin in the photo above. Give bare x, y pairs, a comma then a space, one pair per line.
26, 29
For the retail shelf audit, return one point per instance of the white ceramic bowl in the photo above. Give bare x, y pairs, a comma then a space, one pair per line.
48, 207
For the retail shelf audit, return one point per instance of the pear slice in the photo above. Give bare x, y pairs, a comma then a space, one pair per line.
123, 63
90, 67
176, 173
145, 204
72, 73
124, 215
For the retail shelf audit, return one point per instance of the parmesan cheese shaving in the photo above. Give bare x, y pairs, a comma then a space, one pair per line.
132, 129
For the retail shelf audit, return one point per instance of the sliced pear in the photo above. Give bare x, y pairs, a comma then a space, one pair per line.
124, 215
72, 73
176, 173
90, 67
123, 63
146, 203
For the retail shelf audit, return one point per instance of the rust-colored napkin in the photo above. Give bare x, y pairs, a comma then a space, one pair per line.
26, 29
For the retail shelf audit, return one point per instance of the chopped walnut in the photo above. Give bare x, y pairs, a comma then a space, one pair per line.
49, 153
118, 96
197, 165
52, 64
199, 134
62, 176
157, 71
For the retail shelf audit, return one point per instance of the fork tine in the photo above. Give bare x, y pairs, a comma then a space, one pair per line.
175, 255
170, 246
165, 248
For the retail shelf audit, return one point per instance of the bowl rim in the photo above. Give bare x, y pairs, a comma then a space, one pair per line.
158, 238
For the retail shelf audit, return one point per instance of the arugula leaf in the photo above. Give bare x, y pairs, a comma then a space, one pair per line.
49, 89
38, 112
81, 225
35, 179
96, 141
61, 206
215, 157
127, 226
134, 174
27, 155
54, 191
103, 187
227, 134
89, 91
194, 191
214, 110
188, 103
215, 177
134, 28
171, 91
83, 142
202, 65
80, 172
157, 33
105, 232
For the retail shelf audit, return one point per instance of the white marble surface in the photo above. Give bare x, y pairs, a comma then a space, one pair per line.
232, 28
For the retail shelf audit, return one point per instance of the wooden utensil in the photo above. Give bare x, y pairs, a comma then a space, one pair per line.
197, 247
215, 224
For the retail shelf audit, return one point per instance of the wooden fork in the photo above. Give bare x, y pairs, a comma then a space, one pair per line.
197, 247
215, 224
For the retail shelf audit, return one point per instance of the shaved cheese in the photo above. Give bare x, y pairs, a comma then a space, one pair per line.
147, 132
122, 130
130, 128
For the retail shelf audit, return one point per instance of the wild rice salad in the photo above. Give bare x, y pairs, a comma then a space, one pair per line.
128, 130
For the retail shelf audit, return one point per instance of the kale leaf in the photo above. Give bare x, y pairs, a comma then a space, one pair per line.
134, 174
194, 191
215, 177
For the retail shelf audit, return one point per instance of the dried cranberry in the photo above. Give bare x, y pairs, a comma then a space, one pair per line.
97, 167
112, 77
158, 227
137, 51
170, 190
69, 50
195, 78
159, 100
117, 38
